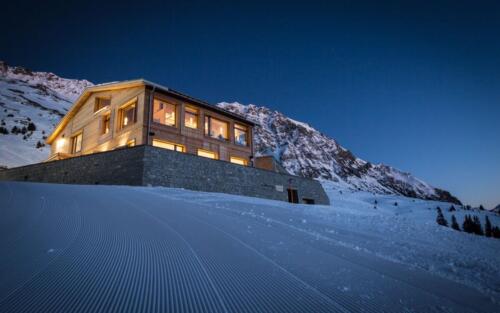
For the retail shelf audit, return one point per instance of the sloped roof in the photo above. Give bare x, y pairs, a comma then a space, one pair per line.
136, 83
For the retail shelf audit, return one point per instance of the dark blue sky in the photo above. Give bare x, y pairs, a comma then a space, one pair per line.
412, 84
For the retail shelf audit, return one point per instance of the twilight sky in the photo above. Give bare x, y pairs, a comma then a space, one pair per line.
415, 85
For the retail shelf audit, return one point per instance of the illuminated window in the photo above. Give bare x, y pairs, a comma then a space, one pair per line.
164, 112
191, 118
106, 119
128, 115
207, 154
168, 145
239, 161
240, 135
216, 128
131, 143
101, 103
76, 143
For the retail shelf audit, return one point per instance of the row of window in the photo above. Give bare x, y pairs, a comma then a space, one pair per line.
165, 113
200, 152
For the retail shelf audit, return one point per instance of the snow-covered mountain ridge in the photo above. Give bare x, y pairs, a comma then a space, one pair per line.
31, 104
41, 99
302, 150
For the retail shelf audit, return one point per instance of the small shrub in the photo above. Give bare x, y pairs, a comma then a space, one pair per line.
31, 127
4, 131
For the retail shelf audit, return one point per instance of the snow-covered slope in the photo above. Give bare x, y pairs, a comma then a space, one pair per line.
35, 98
302, 150
42, 98
86, 248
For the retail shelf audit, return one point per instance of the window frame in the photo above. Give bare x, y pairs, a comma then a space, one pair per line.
98, 107
206, 129
168, 102
106, 118
215, 155
121, 112
240, 128
166, 142
74, 141
196, 114
243, 160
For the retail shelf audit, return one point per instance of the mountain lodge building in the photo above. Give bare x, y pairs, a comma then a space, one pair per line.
138, 112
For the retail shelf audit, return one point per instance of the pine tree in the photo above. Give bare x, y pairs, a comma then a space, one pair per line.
454, 223
481, 207
487, 227
478, 230
467, 224
452, 208
495, 232
440, 218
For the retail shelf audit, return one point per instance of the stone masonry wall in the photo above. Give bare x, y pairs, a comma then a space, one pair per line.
174, 169
147, 165
118, 167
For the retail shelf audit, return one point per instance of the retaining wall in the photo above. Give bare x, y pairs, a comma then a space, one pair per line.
147, 165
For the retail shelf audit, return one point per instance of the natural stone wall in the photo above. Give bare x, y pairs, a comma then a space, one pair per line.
118, 167
146, 165
174, 169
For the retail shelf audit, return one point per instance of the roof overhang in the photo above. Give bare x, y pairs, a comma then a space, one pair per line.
131, 84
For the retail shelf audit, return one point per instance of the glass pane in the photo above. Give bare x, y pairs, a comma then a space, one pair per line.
164, 113
163, 144
101, 103
206, 154
105, 126
218, 129
191, 118
77, 143
239, 161
128, 115
240, 135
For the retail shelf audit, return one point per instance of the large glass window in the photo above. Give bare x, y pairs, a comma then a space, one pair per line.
168, 145
240, 161
76, 143
207, 154
128, 115
164, 112
240, 135
216, 128
191, 118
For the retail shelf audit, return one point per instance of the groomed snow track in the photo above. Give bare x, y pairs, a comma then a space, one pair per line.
68, 248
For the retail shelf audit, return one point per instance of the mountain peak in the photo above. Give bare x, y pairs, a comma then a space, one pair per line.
303, 150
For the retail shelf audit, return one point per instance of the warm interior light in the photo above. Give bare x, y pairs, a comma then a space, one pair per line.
207, 154
60, 144
239, 161
125, 121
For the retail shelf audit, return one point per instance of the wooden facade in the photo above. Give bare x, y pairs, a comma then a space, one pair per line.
111, 116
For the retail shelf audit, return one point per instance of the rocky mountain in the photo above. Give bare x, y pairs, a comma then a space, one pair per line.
302, 150
496, 209
31, 104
